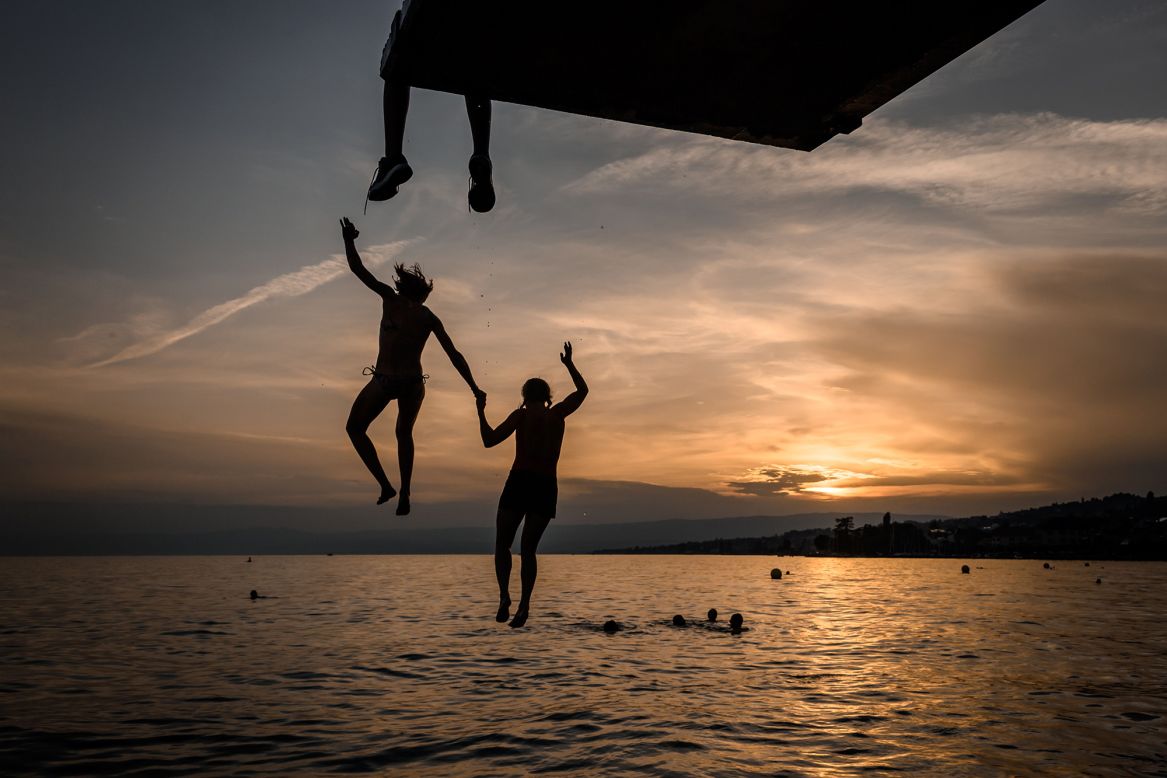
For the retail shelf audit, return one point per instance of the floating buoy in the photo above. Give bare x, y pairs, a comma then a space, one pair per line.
964, 569
776, 574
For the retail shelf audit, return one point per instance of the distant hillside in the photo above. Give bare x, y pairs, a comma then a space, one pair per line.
249, 530
1121, 526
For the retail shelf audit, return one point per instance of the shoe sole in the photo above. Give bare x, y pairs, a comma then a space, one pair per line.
481, 196
397, 176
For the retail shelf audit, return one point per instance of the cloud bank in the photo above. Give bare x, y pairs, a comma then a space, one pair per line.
994, 163
947, 317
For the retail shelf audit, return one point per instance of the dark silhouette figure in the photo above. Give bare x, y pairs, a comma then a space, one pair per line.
712, 614
254, 595
406, 324
776, 574
679, 621
611, 626
531, 489
964, 569
735, 624
393, 170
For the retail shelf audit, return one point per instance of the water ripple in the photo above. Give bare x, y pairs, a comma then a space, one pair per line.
849, 667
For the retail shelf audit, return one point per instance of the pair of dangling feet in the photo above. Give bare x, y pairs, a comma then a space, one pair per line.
504, 613
393, 172
388, 493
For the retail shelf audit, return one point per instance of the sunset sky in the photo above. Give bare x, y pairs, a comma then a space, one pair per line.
958, 308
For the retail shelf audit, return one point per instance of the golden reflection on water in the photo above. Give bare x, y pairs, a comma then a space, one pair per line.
395, 663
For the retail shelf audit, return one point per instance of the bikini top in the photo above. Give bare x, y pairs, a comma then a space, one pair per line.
388, 325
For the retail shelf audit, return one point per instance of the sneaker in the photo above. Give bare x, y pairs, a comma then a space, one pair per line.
390, 175
481, 194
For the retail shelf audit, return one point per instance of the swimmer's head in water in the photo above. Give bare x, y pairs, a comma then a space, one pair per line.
412, 283
735, 621
536, 392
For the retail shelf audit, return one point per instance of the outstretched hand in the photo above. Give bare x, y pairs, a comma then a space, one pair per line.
348, 230
565, 357
480, 399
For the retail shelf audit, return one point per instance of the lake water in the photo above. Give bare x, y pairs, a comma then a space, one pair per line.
395, 664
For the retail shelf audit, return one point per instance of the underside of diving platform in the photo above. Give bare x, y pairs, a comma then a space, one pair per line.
790, 73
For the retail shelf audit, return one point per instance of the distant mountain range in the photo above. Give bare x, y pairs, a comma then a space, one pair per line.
251, 530
1121, 526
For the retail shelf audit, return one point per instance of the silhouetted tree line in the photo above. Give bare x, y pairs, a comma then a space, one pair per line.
1121, 526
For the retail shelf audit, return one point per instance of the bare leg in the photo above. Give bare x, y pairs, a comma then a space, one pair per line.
407, 410
506, 524
481, 196
395, 104
532, 533
478, 112
392, 170
368, 406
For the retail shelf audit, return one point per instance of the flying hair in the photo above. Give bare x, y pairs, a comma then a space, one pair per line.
411, 282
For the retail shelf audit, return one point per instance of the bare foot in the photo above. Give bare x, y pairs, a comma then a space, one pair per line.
520, 616
387, 494
403, 505
504, 610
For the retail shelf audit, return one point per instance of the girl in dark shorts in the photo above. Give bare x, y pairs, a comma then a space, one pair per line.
531, 491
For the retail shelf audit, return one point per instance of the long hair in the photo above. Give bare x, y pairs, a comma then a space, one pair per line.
412, 283
536, 390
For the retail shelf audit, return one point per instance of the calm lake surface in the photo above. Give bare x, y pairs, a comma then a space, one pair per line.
395, 664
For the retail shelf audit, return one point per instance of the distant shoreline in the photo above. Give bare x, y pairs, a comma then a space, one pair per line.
488, 552
1119, 527
1039, 558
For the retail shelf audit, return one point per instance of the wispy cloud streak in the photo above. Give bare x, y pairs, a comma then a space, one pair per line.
294, 284
995, 163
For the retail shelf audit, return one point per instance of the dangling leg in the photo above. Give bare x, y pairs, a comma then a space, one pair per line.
392, 170
481, 186
368, 406
505, 525
532, 533
478, 111
395, 106
408, 406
